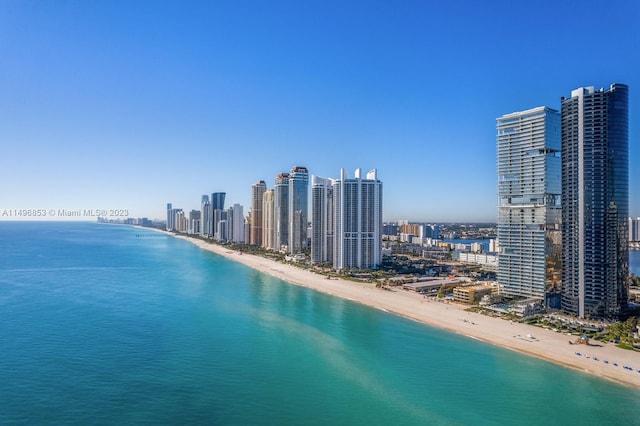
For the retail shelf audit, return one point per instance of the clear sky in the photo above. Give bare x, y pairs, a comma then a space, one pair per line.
132, 104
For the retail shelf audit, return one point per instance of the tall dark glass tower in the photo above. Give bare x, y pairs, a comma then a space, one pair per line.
216, 212
217, 200
298, 209
595, 201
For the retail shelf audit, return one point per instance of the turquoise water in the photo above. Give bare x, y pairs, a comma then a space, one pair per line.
102, 326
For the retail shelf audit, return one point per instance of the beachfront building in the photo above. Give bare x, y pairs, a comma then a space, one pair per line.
194, 222
357, 229
170, 224
179, 220
471, 294
321, 220
529, 203
255, 214
281, 212
222, 226
298, 209
268, 235
215, 213
595, 201
217, 200
235, 215
176, 219
205, 216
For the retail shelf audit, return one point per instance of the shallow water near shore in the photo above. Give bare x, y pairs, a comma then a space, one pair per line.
112, 324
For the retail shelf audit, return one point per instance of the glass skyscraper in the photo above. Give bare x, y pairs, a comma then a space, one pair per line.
216, 212
298, 209
205, 216
529, 186
357, 221
322, 220
281, 212
595, 201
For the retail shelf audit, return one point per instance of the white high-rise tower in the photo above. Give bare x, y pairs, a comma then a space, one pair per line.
529, 186
357, 205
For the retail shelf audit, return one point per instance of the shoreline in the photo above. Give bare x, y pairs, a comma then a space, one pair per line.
523, 338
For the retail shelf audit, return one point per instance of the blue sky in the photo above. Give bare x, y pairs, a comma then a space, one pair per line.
129, 105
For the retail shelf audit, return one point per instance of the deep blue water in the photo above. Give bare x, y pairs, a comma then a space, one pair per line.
110, 324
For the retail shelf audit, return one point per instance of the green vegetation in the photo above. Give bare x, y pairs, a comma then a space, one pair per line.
623, 333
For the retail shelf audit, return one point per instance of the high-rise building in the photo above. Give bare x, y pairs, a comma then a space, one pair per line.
321, 220
529, 205
595, 201
222, 225
390, 229
179, 220
217, 200
215, 213
414, 229
357, 205
435, 231
268, 223
634, 229
298, 209
170, 224
194, 222
257, 191
247, 229
281, 212
236, 228
205, 216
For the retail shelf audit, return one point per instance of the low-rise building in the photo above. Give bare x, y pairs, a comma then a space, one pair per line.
430, 285
471, 294
487, 261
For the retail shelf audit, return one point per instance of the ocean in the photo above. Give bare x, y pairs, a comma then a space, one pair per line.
108, 324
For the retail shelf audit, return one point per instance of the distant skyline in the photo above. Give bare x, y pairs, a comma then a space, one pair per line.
121, 105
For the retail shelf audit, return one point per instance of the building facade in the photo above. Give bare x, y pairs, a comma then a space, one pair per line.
529, 203
237, 225
321, 220
257, 191
595, 201
216, 211
205, 216
194, 222
217, 200
170, 221
298, 209
357, 206
268, 235
281, 212
634, 229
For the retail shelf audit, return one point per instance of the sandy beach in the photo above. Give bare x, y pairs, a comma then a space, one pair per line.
535, 341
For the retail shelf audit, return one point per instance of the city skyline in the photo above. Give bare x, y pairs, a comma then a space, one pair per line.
113, 107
